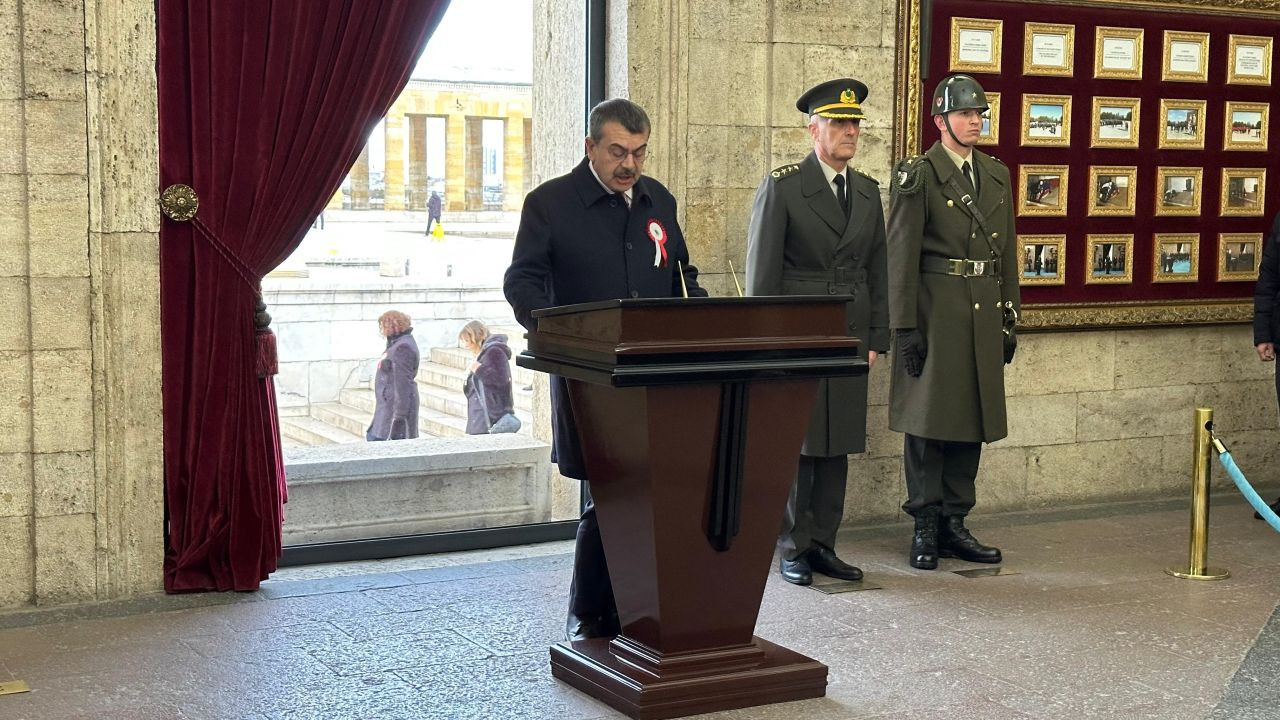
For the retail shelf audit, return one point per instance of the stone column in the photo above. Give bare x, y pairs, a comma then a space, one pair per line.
417, 175
455, 164
513, 159
394, 177
360, 181
473, 154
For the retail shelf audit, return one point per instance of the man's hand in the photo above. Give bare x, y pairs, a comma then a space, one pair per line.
1010, 345
1266, 352
911, 349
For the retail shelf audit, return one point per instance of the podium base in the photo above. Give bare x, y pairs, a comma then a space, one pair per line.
782, 676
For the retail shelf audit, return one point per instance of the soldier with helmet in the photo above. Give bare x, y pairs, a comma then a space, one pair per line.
817, 228
953, 303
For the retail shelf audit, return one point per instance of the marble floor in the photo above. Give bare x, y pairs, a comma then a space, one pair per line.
1091, 627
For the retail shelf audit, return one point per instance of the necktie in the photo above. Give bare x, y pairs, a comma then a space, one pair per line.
969, 175
841, 196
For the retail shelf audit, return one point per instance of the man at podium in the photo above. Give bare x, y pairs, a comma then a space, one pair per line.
600, 232
817, 228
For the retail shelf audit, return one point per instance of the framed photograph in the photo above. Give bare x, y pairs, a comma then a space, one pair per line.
1112, 189
1182, 124
1118, 53
1178, 190
1246, 126
1185, 57
991, 121
1109, 259
1046, 120
1243, 192
1049, 49
1174, 257
1042, 190
975, 44
1249, 60
1044, 259
1114, 122
1238, 256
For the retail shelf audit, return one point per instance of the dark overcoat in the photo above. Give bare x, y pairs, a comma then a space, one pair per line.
395, 391
799, 243
578, 242
1266, 292
959, 396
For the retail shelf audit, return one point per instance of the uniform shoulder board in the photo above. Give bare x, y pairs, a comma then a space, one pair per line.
993, 157
866, 175
785, 170
907, 177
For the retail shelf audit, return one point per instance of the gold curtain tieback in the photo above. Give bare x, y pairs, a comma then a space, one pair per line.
179, 202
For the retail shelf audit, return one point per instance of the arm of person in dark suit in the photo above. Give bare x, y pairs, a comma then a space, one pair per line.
1265, 292
766, 235
403, 369
527, 281
878, 287
679, 251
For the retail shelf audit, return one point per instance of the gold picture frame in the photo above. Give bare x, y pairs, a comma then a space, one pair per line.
1108, 260
1049, 49
1244, 192
1182, 124
1042, 190
1239, 255
1177, 190
991, 121
1249, 60
1044, 259
1112, 189
975, 44
1245, 126
1175, 258
1185, 57
1114, 122
1046, 120
1117, 53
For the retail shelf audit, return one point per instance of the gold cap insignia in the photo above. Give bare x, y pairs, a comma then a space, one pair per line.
847, 96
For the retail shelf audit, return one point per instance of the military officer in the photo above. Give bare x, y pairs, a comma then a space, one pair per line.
953, 301
817, 228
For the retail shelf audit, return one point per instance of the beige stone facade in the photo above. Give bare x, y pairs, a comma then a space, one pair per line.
1094, 415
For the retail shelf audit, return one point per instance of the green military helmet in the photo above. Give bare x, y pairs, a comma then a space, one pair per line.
958, 92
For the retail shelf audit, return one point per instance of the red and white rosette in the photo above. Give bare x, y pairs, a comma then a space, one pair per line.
658, 234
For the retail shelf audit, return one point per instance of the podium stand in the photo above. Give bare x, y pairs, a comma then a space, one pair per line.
691, 413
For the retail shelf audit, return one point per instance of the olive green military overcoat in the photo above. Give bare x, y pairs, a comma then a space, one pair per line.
960, 394
799, 243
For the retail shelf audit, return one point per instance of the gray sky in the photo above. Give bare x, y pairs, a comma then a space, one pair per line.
479, 41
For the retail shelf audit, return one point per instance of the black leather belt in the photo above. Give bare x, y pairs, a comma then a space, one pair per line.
839, 276
964, 268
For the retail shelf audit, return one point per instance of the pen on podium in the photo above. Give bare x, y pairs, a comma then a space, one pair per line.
735, 279
684, 289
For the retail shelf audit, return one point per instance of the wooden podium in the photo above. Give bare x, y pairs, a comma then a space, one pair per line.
691, 413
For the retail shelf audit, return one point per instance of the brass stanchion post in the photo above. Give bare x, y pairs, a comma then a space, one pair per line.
1198, 554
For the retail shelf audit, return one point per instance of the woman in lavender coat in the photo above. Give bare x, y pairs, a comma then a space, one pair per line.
395, 389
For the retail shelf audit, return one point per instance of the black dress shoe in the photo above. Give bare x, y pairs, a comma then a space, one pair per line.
585, 628
796, 572
956, 541
823, 560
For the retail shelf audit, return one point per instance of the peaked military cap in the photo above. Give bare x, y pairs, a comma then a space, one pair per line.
841, 98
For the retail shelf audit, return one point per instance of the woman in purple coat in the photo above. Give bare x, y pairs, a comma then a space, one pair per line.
490, 408
395, 388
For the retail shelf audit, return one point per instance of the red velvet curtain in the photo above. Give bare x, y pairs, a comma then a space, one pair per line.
263, 107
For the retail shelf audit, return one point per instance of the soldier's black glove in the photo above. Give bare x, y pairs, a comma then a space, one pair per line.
911, 350
1010, 345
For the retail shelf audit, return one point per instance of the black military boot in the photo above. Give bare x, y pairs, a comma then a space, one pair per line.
924, 544
956, 541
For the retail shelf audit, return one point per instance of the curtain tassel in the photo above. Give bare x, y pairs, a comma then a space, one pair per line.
265, 362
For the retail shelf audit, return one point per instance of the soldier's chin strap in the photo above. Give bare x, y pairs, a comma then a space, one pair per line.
946, 120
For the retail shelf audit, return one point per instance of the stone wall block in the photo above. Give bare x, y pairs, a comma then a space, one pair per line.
1239, 359
15, 486
62, 409
10, 53
60, 313
704, 227
737, 223
1089, 472
889, 24
1061, 363
64, 483
874, 492
14, 329
16, 562
738, 150
734, 74
1002, 480
1240, 405
875, 155
54, 132
53, 52
15, 402
881, 441
1040, 420
11, 145
1165, 356
13, 219
58, 225
745, 20
786, 85
65, 559
789, 145
878, 379
874, 66
1148, 412
803, 21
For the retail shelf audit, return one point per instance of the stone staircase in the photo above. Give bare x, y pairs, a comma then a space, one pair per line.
442, 410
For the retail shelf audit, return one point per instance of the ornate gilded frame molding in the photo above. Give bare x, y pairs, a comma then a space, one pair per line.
1081, 315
